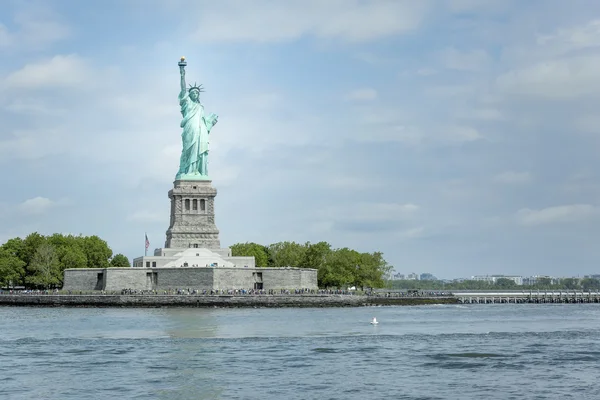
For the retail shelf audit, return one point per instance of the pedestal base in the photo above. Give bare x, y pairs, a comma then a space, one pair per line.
192, 222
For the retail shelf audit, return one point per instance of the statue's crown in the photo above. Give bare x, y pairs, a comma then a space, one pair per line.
196, 87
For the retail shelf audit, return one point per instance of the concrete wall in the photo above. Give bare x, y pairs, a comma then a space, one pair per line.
288, 278
116, 279
125, 278
83, 279
234, 278
242, 262
184, 278
308, 279
159, 278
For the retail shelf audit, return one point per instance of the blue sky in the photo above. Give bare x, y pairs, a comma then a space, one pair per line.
459, 137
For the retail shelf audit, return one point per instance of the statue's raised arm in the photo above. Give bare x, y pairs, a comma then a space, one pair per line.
182, 65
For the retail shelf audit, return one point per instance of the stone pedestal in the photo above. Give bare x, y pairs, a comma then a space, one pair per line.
192, 216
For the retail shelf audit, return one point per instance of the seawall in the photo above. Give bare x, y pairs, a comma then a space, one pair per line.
55, 300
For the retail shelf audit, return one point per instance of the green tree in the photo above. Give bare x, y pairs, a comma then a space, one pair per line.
405, 284
59, 240
504, 283
340, 268
72, 257
70, 251
372, 270
97, 252
14, 246
30, 246
543, 283
119, 261
316, 254
570, 283
287, 254
12, 268
440, 285
250, 249
44, 268
590, 284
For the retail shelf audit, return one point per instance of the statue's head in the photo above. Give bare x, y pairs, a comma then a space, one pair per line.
195, 92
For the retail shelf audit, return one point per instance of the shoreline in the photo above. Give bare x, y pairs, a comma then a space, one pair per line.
219, 301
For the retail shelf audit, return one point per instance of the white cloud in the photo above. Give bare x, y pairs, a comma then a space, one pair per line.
33, 144
426, 71
579, 37
34, 106
225, 173
462, 134
557, 214
513, 177
557, 79
398, 133
36, 27
39, 205
482, 114
460, 6
352, 183
266, 21
365, 211
424, 135
413, 233
148, 216
377, 58
58, 71
589, 124
450, 90
5, 38
471, 60
362, 95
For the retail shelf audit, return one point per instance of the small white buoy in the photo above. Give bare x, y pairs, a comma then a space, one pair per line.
374, 321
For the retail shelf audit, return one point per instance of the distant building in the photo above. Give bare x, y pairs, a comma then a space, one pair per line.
398, 276
483, 278
428, 277
412, 277
494, 278
533, 280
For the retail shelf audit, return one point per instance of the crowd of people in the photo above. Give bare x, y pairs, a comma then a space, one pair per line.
233, 292
185, 292
409, 293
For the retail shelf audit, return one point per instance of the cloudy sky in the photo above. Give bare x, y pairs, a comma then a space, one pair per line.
459, 137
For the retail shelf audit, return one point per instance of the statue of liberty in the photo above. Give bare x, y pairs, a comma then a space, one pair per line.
193, 164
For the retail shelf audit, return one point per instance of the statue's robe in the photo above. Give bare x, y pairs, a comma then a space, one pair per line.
194, 136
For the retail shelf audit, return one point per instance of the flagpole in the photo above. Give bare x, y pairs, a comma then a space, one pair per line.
145, 245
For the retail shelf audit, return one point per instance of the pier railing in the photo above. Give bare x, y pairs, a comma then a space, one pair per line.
535, 297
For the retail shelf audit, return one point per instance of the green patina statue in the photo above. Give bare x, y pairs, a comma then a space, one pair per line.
193, 164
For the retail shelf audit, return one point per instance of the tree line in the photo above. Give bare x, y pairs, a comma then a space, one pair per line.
337, 268
39, 261
500, 284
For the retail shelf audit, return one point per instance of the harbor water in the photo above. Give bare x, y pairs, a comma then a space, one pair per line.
501, 351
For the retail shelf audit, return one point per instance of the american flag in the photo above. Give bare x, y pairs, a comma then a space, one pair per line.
147, 242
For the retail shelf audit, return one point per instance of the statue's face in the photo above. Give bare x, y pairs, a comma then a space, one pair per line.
194, 94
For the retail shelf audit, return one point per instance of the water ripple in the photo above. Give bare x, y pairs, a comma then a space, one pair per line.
415, 353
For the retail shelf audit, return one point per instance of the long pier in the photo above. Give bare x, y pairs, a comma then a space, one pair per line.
522, 297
